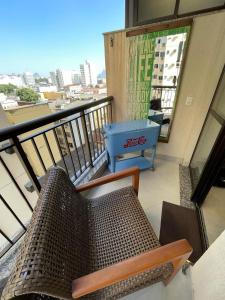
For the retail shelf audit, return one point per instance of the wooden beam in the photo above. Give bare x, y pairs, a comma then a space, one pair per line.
134, 172
160, 27
175, 252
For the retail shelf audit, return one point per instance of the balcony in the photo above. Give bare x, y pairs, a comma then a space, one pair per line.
72, 139
82, 127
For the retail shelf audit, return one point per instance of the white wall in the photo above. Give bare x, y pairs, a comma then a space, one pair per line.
208, 274
204, 63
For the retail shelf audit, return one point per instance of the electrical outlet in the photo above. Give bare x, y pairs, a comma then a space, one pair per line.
188, 100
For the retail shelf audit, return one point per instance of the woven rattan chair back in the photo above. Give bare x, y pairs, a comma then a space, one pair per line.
70, 236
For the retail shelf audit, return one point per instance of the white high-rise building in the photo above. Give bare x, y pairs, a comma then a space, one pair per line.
28, 78
87, 74
12, 79
53, 78
76, 78
66, 77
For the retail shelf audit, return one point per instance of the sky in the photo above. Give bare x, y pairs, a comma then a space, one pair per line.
41, 36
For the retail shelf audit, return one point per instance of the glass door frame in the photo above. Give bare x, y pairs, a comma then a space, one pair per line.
211, 168
216, 156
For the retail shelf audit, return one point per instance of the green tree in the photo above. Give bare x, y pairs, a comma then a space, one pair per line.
41, 80
28, 95
7, 88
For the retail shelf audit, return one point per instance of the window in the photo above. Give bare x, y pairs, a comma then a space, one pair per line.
174, 51
154, 9
70, 145
156, 66
167, 52
157, 54
187, 6
159, 41
155, 76
162, 54
160, 77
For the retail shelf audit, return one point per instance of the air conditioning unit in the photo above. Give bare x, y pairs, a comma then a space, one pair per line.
29, 187
8, 150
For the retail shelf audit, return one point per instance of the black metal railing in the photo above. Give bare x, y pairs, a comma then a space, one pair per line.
70, 138
162, 98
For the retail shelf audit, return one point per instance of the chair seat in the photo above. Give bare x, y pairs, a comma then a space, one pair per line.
70, 236
119, 229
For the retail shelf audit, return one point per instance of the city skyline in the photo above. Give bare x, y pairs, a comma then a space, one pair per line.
45, 36
48, 73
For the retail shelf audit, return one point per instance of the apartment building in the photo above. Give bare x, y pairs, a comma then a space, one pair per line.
87, 74
29, 112
28, 78
16, 80
54, 79
76, 78
72, 90
66, 77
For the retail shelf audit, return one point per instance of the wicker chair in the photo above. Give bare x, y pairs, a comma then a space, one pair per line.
102, 248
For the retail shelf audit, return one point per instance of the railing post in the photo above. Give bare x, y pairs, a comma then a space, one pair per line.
111, 113
26, 164
86, 139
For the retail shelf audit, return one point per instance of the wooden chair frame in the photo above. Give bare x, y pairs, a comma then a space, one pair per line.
176, 253
134, 172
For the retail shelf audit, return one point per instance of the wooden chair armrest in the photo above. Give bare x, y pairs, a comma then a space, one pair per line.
173, 252
134, 172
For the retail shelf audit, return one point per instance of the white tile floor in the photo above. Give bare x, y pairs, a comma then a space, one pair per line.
155, 187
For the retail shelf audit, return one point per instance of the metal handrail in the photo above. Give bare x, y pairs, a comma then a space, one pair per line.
87, 120
164, 86
15, 130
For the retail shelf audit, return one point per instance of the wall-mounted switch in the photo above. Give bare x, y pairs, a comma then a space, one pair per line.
188, 100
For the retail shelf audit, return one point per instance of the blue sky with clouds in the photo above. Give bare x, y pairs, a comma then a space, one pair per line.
43, 35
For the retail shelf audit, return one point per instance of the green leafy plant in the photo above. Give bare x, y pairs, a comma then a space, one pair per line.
28, 95
7, 88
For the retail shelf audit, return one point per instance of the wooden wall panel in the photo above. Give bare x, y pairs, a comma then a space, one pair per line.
116, 72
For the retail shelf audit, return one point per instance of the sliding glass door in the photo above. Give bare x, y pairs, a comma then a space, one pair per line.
205, 145
209, 149
207, 166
